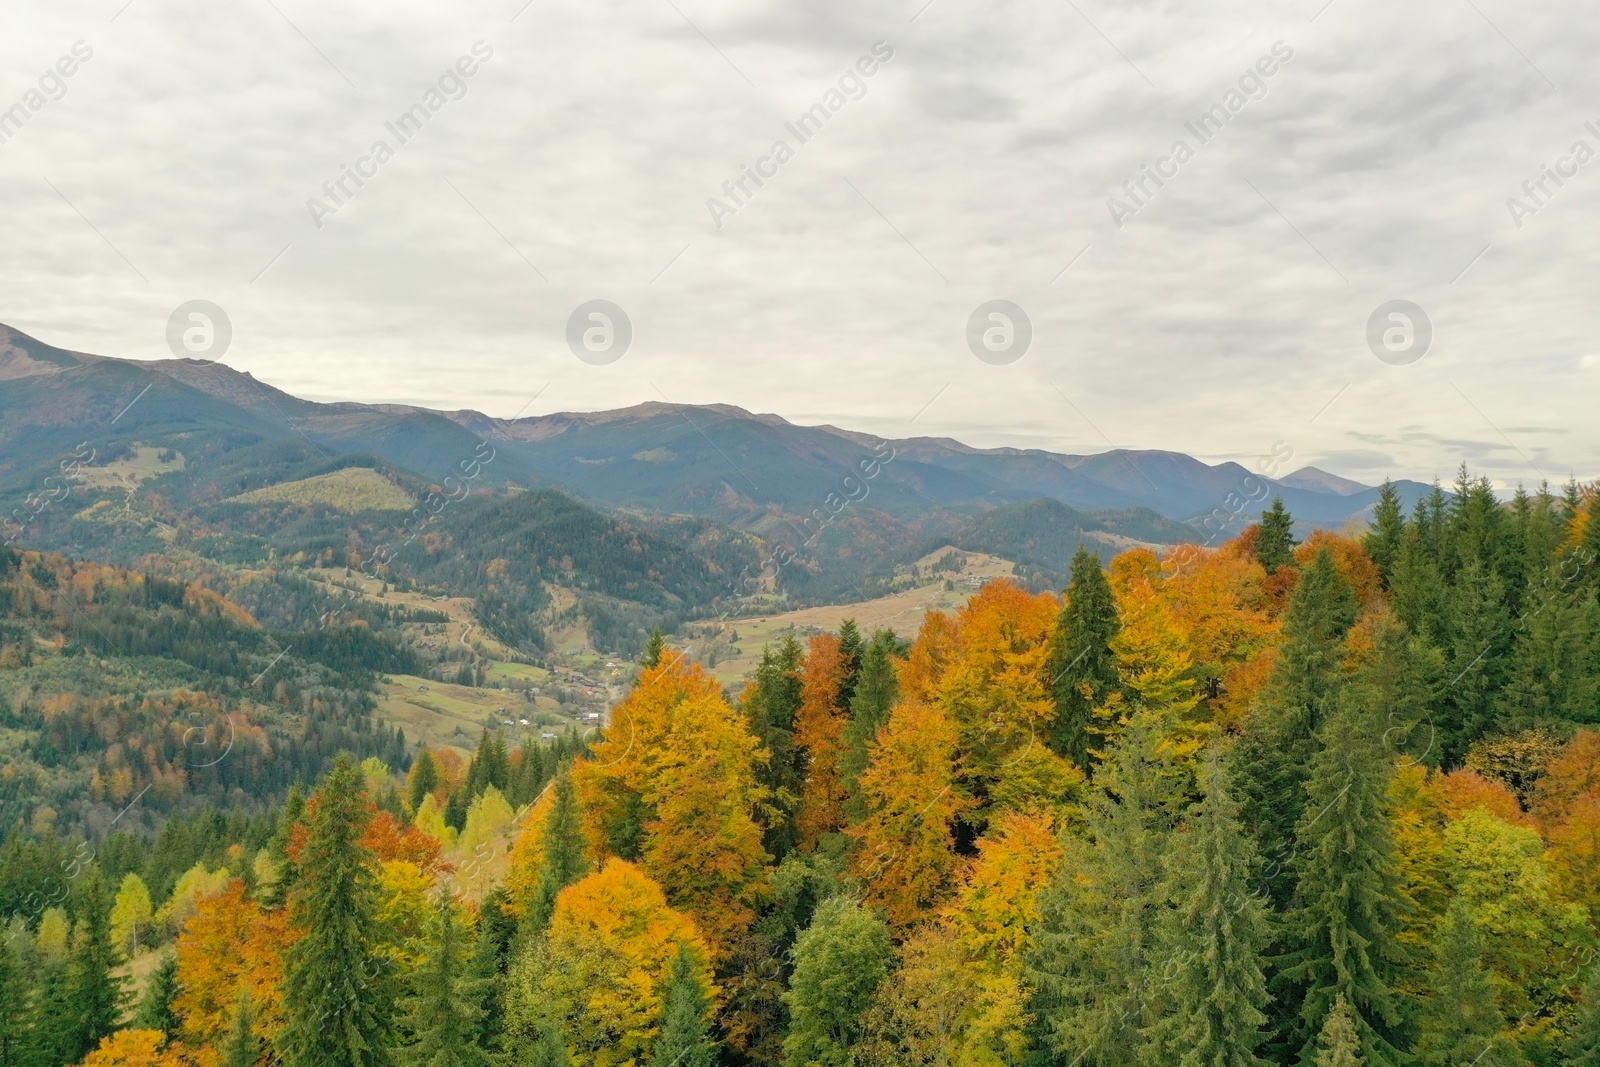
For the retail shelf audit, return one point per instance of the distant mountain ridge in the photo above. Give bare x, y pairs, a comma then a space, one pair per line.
754, 471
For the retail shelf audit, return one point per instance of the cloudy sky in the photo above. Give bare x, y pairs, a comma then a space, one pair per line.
1220, 313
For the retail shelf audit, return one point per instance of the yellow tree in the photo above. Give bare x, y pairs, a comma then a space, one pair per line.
230, 945
819, 730
132, 914
905, 857
596, 979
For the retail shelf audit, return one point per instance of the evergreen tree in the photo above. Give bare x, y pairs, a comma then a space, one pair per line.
155, 1007
1461, 1023
337, 987
548, 1049
284, 871
1582, 1047
1212, 940
851, 645
654, 646
441, 1014
771, 701
1096, 936
876, 690
1480, 639
54, 1032
1083, 669
14, 992
566, 855
491, 765
1338, 1045
95, 993
1383, 542
685, 1039
1341, 926
840, 960
424, 779
1275, 537
1282, 734
244, 1046
491, 952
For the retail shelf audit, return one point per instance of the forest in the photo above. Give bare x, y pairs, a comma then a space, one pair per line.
1332, 802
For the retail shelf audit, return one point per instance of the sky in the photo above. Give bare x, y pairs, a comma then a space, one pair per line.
1360, 153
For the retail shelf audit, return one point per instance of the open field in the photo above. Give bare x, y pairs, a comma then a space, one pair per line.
902, 612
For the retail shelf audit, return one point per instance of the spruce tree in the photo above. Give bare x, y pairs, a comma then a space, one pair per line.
1582, 1047
685, 1039
654, 646
54, 1033
566, 856
1212, 940
851, 646
244, 1045
548, 1049
876, 690
14, 992
1341, 926
95, 993
441, 1014
1479, 651
1083, 669
1338, 1045
1384, 540
284, 872
1096, 940
155, 1007
770, 704
1282, 733
337, 987
1460, 1021
424, 779
1275, 537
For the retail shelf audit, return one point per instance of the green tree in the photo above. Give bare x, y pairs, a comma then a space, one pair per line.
491, 765
685, 1039
654, 646
1282, 734
851, 646
337, 987
244, 1044
566, 855
1345, 912
155, 1007
54, 1033
1460, 1021
840, 960
770, 703
1097, 933
1212, 940
1083, 669
284, 870
1387, 534
876, 690
1338, 1045
441, 1014
131, 914
95, 993
548, 1049
1275, 537
1583, 1043
424, 779
14, 991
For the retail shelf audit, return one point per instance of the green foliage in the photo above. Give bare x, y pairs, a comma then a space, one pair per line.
839, 962
1275, 537
155, 1007
875, 691
14, 992
770, 704
1582, 1047
565, 856
654, 646
338, 988
1338, 1045
243, 1046
1460, 1020
685, 1039
424, 779
1083, 669
441, 1014
95, 993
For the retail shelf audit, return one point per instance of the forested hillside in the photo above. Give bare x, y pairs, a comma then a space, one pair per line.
1332, 803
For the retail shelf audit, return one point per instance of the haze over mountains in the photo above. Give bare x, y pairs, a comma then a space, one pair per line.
753, 471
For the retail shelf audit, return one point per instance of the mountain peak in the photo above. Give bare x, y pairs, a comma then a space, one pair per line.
1320, 481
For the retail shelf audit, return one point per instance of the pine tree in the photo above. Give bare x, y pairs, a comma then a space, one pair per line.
1384, 540
770, 703
566, 856
491, 765
14, 991
1096, 937
1342, 922
851, 646
1083, 668
1338, 1045
876, 690
654, 646
337, 987
1213, 939
1275, 537
1480, 640
1461, 1023
95, 993
685, 1039
155, 1007
424, 779
54, 1033
441, 1014
1583, 1042
1282, 734
284, 871
244, 1045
